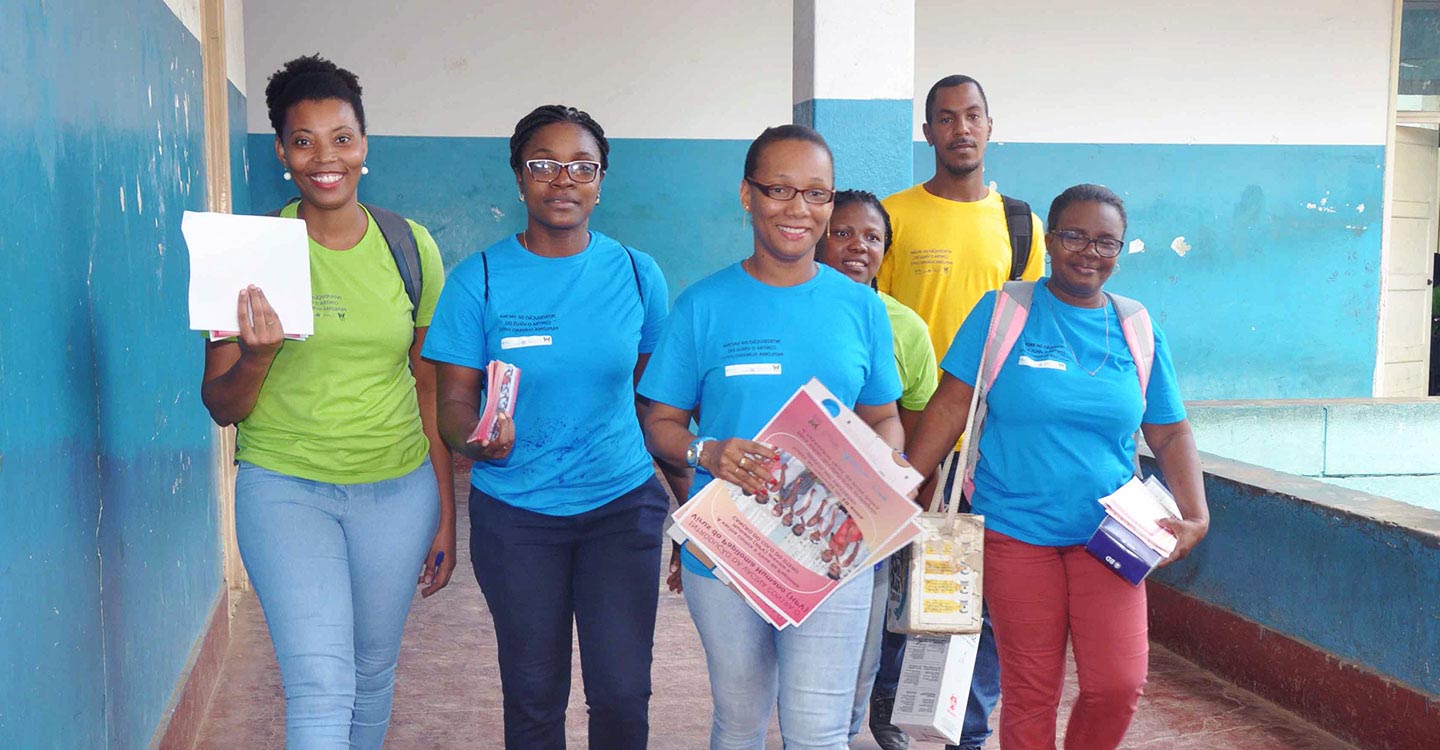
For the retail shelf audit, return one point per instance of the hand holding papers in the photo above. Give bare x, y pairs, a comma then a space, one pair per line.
229, 253
502, 385
835, 506
1129, 541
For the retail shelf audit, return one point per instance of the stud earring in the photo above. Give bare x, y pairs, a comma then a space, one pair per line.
597, 199
522, 197
364, 169
286, 175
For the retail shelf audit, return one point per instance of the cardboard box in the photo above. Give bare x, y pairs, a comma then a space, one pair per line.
935, 686
1123, 551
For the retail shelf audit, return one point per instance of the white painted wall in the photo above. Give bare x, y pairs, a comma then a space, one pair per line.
235, 43
188, 11
1138, 71
854, 49
644, 69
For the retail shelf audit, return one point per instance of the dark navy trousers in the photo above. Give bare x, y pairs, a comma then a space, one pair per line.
600, 569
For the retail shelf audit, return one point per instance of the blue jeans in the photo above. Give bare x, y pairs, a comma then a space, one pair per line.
334, 567
810, 669
600, 570
870, 659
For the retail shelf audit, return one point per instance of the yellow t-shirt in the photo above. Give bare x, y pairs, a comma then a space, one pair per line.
341, 406
946, 254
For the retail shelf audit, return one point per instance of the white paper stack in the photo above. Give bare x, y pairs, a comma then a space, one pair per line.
229, 252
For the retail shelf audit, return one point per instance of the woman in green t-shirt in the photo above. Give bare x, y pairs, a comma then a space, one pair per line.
343, 483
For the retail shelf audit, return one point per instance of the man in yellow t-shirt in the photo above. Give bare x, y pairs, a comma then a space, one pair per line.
951, 241
951, 245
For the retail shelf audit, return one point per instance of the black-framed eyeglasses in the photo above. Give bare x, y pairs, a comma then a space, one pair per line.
546, 170
818, 196
1076, 242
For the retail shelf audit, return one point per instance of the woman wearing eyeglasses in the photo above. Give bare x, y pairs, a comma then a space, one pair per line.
737, 346
1063, 411
565, 509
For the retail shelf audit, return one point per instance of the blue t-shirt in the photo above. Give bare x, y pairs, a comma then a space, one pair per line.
1057, 439
575, 327
737, 349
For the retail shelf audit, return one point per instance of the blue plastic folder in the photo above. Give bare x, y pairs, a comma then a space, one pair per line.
1122, 551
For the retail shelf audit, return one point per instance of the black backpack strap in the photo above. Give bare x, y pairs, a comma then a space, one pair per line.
401, 240
288, 203
1022, 233
485, 266
635, 269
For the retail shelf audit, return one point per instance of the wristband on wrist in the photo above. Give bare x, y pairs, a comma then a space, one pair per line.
692, 454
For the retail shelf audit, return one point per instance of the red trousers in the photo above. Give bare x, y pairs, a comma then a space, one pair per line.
1040, 597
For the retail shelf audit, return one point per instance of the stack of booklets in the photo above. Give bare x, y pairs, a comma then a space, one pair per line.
1129, 541
502, 385
837, 505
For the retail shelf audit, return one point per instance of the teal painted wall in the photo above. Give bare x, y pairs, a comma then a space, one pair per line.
870, 139
1351, 574
678, 200
1279, 295
1385, 448
108, 548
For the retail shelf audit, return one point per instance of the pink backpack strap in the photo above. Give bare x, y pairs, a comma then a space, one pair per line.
1007, 320
1012, 308
1139, 336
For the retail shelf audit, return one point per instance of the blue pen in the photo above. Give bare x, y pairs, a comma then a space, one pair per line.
439, 557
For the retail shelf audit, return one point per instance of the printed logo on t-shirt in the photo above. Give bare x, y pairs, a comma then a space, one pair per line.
528, 324
937, 260
751, 348
329, 306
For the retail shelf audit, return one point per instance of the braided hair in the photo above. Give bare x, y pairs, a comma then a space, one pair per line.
550, 114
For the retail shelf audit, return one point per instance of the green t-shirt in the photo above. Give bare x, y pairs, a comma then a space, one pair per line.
341, 407
914, 355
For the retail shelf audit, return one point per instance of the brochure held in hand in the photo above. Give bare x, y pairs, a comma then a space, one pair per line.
837, 504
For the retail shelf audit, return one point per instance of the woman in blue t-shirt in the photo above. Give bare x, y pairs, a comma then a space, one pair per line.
565, 509
738, 344
1063, 411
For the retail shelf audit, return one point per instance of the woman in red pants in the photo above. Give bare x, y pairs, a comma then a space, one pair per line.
1063, 410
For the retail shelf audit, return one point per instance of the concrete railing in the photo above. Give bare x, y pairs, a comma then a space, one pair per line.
1322, 598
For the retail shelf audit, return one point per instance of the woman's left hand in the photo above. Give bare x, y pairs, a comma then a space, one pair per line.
434, 577
1187, 535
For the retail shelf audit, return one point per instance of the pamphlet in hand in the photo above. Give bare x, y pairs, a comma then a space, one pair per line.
1138, 505
502, 385
837, 504
229, 252
1129, 541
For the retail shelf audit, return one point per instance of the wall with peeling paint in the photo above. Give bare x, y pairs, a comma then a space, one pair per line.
1252, 165
1251, 162
1274, 291
108, 547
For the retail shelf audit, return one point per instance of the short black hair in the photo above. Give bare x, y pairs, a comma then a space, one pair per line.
549, 114
951, 82
844, 198
310, 78
780, 133
1086, 193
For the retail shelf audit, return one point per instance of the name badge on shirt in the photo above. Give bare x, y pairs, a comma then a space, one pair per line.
770, 368
1043, 364
520, 342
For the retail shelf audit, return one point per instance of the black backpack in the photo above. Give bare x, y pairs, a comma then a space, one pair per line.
400, 238
1022, 232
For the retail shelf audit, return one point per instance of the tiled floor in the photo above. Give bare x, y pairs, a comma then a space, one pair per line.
448, 689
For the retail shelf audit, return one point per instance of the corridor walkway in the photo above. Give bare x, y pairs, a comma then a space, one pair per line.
447, 695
